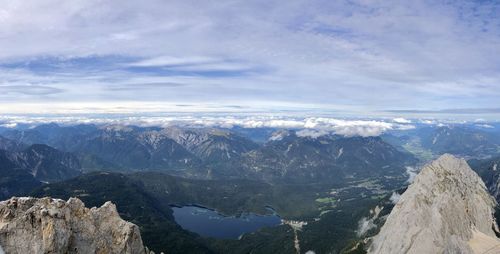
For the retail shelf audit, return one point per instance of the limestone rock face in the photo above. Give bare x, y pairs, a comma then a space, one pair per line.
447, 209
31, 225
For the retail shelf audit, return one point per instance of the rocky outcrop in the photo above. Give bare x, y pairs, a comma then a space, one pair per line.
447, 209
30, 225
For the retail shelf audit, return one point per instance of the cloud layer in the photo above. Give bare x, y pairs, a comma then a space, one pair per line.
309, 126
360, 56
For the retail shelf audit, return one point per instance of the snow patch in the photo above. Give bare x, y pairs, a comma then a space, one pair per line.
434, 140
341, 151
277, 136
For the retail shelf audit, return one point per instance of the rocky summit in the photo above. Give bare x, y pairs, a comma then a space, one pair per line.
45, 225
447, 209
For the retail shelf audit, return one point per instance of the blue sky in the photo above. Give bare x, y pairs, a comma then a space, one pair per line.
348, 57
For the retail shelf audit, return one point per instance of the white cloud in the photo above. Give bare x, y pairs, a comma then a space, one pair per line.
487, 126
404, 127
367, 223
429, 122
363, 128
9, 125
412, 173
338, 48
401, 120
312, 133
395, 197
309, 126
172, 61
222, 66
364, 225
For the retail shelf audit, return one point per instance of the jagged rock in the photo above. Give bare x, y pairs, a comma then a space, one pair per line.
31, 225
447, 209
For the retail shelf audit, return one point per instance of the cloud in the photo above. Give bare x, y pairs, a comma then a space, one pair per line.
486, 126
29, 89
364, 225
193, 64
363, 128
305, 126
214, 67
141, 86
427, 121
9, 125
404, 127
312, 133
311, 126
370, 56
412, 173
172, 61
368, 223
448, 111
401, 120
395, 197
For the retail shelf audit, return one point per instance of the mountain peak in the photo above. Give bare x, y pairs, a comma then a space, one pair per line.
449, 163
45, 225
447, 209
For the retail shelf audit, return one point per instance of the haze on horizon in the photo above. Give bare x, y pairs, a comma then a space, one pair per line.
347, 57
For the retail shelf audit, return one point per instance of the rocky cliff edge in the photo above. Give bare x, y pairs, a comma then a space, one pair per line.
46, 225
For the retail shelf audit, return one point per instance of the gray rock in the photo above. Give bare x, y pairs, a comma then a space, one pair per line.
46, 225
447, 209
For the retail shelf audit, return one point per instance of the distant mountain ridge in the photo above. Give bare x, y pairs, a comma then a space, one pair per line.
43, 162
211, 145
48, 164
325, 158
220, 153
460, 140
21, 171
10, 145
130, 147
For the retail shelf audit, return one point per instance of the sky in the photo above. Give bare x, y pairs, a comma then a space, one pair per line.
356, 57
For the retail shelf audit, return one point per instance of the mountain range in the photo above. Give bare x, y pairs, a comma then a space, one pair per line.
323, 180
326, 158
21, 171
218, 153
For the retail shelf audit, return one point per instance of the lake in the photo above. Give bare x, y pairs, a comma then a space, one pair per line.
209, 223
